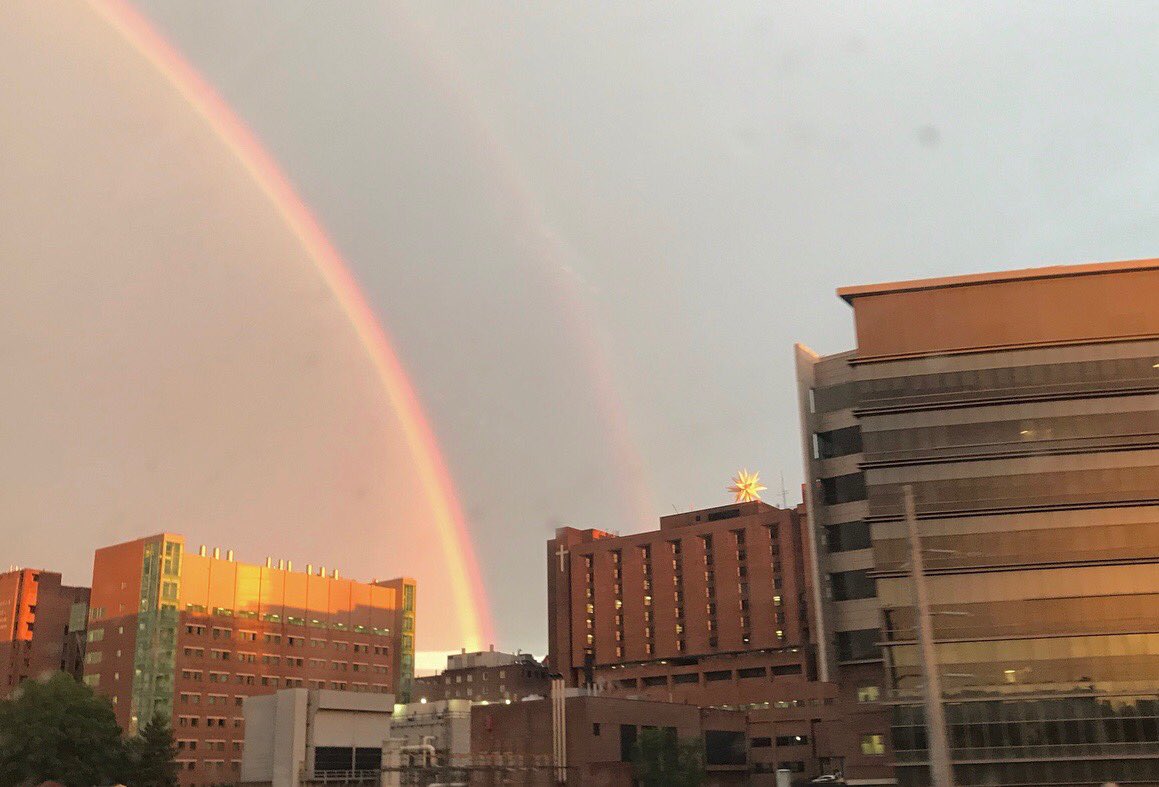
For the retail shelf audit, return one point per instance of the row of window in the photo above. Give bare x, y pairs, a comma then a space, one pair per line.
711, 676
217, 745
208, 765
781, 740
271, 638
1063, 487
1085, 541
289, 620
528, 674
1074, 614
1110, 374
993, 436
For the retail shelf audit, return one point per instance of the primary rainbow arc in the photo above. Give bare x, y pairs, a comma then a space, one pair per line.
462, 569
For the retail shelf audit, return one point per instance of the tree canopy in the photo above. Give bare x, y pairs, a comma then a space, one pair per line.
661, 760
151, 756
58, 730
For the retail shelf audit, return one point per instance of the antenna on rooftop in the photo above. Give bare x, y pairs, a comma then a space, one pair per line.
784, 492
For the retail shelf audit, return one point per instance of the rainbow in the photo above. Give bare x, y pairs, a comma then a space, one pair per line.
579, 318
462, 568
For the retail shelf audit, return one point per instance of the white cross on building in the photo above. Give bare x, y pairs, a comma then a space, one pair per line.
562, 554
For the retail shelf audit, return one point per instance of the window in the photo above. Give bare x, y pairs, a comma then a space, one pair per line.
596, 729
851, 585
858, 645
628, 734
873, 744
843, 488
792, 740
868, 693
761, 743
718, 675
848, 535
839, 442
722, 747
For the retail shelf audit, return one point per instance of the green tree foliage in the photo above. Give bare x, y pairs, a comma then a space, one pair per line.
151, 756
58, 730
660, 760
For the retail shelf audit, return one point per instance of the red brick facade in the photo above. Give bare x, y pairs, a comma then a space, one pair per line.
36, 638
216, 631
711, 610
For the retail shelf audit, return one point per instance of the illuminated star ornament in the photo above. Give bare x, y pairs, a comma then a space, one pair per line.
746, 486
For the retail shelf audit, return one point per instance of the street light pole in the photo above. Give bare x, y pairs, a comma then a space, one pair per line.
941, 772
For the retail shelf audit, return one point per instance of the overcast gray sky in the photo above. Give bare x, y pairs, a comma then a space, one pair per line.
593, 230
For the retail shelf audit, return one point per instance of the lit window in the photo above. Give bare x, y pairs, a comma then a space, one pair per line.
868, 693
873, 744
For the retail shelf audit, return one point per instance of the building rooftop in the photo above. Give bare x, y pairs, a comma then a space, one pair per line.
945, 282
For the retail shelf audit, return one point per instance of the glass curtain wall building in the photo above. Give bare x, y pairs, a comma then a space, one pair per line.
1023, 410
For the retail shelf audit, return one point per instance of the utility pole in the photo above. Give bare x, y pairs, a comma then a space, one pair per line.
941, 772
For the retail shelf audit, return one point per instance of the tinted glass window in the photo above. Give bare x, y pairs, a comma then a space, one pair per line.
858, 645
848, 535
849, 585
843, 488
839, 442
627, 741
724, 747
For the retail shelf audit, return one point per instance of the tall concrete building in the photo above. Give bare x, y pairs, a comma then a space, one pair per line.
1023, 410
711, 610
190, 636
42, 627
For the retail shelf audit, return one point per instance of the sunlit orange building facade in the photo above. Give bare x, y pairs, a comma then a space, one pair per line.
189, 635
41, 626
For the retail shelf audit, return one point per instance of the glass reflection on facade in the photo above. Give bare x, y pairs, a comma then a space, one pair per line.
1031, 443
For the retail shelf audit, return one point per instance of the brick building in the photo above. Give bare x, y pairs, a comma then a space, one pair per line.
42, 624
189, 636
597, 737
711, 610
486, 676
